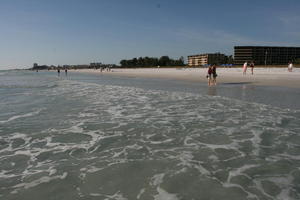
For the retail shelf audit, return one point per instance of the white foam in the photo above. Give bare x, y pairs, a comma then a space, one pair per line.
213, 158
187, 143
118, 154
76, 128
52, 171
116, 196
162, 142
239, 171
256, 140
157, 179
164, 195
21, 116
249, 194
292, 157
186, 159
95, 194
142, 191
93, 169
84, 115
44, 179
24, 152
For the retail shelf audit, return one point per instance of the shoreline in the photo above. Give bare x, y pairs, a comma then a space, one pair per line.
226, 76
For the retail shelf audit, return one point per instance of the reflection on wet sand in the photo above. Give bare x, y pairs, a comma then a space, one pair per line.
212, 91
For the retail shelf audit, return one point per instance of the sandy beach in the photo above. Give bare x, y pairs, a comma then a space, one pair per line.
261, 76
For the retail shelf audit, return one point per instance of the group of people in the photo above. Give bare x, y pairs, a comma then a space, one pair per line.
212, 75
212, 71
108, 69
58, 72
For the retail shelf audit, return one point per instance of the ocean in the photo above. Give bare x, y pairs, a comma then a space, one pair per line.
114, 138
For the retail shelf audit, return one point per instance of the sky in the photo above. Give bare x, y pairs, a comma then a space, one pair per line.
62, 32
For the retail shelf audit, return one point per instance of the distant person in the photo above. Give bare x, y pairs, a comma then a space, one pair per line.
290, 67
245, 68
66, 72
209, 75
58, 72
214, 74
252, 67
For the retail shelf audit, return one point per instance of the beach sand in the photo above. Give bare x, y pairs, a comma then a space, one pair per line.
262, 76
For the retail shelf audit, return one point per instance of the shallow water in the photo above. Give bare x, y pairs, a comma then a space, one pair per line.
91, 137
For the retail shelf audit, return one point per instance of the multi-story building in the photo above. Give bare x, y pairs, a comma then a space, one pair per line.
265, 55
204, 59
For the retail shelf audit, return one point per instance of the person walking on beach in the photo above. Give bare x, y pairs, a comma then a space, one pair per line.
209, 75
290, 67
58, 71
245, 68
252, 67
66, 72
214, 74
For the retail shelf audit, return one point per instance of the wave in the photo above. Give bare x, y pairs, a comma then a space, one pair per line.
163, 143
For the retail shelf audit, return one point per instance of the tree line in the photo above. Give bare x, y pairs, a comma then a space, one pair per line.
97, 65
297, 61
152, 62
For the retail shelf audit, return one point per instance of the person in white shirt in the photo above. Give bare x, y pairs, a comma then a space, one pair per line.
290, 67
245, 68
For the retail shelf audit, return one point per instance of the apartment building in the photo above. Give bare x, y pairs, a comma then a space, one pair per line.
204, 59
265, 55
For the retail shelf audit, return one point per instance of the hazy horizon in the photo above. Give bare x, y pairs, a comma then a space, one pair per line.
79, 32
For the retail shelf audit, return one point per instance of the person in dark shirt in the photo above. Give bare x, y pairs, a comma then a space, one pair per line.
209, 75
214, 74
252, 67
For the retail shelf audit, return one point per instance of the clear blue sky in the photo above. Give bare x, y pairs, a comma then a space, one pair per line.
84, 31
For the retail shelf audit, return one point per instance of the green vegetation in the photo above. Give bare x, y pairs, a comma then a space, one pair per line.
152, 62
97, 65
297, 61
228, 60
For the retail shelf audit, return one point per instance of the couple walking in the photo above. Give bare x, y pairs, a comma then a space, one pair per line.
212, 75
246, 66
